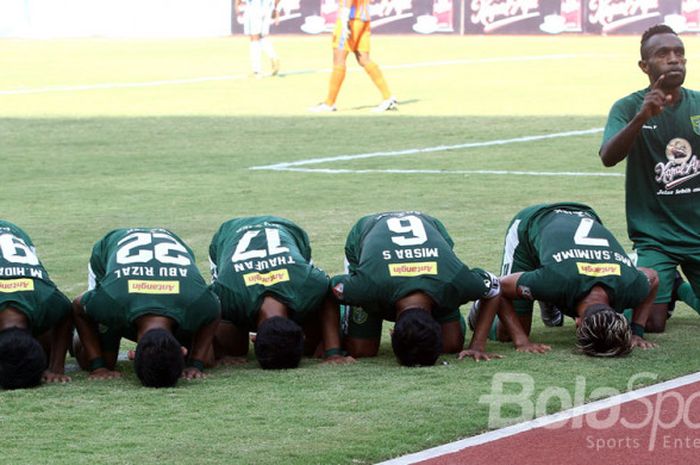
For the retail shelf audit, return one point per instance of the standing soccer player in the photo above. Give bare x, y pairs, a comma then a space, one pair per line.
257, 17
352, 33
657, 130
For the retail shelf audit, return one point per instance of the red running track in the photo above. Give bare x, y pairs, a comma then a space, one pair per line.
659, 426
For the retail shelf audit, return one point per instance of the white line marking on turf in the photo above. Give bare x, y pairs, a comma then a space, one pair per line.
291, 166
463, 172
236, 77
543, 421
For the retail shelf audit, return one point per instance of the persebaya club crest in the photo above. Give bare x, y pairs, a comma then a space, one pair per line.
695, 123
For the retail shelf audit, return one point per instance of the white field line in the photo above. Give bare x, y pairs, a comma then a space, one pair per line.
544, 421
462, 172
292, 166
236, 77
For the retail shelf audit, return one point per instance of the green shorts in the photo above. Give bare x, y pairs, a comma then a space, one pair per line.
665, 264
357, 323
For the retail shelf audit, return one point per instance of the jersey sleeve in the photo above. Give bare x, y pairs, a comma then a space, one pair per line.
353, 290
353, 244
441, 229
619, 116
98, 262
478, 284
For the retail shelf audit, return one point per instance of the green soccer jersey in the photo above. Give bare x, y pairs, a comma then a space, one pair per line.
253, 257
391, 255
662, 181
147, 271
24, 283
564, 251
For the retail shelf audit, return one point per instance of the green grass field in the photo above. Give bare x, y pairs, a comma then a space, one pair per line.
97, 134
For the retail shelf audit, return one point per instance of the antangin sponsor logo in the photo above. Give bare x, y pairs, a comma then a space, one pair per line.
598, 269
266, 279
413, 269
16, 285
153, 287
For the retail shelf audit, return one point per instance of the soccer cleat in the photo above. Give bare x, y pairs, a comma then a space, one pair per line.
275, 66
387, 105
678, 280
551, 315
323, 108
473, 314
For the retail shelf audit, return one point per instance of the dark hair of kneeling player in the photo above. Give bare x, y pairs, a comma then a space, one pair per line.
603, 332
159, 360
22, 359
279, 343
417, 338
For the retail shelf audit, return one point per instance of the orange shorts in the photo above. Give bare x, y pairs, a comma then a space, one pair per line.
356, 41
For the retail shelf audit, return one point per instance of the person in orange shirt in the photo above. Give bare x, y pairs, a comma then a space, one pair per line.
352, 33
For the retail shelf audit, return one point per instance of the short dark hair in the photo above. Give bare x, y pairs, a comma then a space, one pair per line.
22, 359
158, 361
651, 32
603, 333
279, 343
417, 338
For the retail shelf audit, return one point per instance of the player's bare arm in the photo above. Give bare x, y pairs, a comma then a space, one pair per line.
477, 344
508, 317
617, 147
201, 348
60, 338
330, 322
640, 313
87, 330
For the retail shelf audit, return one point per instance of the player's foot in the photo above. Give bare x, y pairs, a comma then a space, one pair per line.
323, 108
551, 315
275, 66
387, 105
257, 75
674, 294
473, 314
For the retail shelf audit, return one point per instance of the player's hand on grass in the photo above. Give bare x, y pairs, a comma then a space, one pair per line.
228, 361
533, 348
51, 377
478, 355
642, 343
339, 360
104, 373
192, 373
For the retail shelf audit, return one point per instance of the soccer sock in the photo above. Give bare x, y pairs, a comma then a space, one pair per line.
378, 78
336, 81
266, 45
255, 56
687, 295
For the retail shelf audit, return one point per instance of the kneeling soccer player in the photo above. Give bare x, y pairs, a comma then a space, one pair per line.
561, 254
34, 316
144, 285
401, 267
266, 281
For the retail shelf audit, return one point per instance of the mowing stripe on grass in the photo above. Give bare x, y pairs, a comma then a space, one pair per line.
235, 77
292, 166
545, 420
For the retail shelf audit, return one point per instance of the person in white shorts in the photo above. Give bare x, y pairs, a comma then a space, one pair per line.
257, 17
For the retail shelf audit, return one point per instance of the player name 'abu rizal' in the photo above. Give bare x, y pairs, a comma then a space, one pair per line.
150, 271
